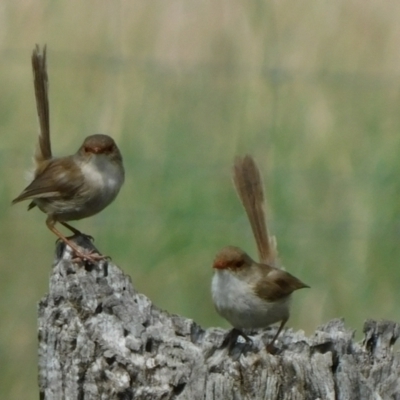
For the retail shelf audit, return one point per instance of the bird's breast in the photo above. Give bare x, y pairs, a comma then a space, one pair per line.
102, 174
104, 178
236, 301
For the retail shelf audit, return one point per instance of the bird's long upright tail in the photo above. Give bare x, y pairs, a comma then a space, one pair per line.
247, 181
39, 66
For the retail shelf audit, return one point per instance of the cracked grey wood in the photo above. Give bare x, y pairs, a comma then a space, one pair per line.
101, 339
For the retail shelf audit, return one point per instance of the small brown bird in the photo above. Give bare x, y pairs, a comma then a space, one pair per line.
72, 187
250, 294
246, 293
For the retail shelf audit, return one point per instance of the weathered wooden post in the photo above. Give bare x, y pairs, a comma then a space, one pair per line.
100, 339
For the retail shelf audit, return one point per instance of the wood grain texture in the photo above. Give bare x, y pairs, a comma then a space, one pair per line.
101, 339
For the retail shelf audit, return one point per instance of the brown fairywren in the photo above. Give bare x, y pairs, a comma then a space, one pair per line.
72, 187
246, 293
251, 295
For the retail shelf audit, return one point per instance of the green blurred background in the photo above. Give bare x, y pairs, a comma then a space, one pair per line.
310, 89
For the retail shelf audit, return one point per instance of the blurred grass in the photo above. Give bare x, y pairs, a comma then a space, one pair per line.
310, 89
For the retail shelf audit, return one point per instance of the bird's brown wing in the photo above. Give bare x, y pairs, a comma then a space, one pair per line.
54, 181
277, 285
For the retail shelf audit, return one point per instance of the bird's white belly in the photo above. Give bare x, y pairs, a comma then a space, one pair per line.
236, 302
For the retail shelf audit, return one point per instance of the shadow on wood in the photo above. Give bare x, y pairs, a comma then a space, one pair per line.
100, 339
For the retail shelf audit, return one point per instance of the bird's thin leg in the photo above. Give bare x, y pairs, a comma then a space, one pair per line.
71, 228
92, 257
270, 345
75, 231
231, 338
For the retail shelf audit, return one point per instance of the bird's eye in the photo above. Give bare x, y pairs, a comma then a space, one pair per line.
239, 263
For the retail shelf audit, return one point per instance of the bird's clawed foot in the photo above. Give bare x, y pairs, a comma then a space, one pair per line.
231, 340
271, 349
92, 257
231, 343
270, 346
83, 250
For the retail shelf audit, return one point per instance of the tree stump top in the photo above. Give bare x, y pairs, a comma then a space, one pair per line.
101, 339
